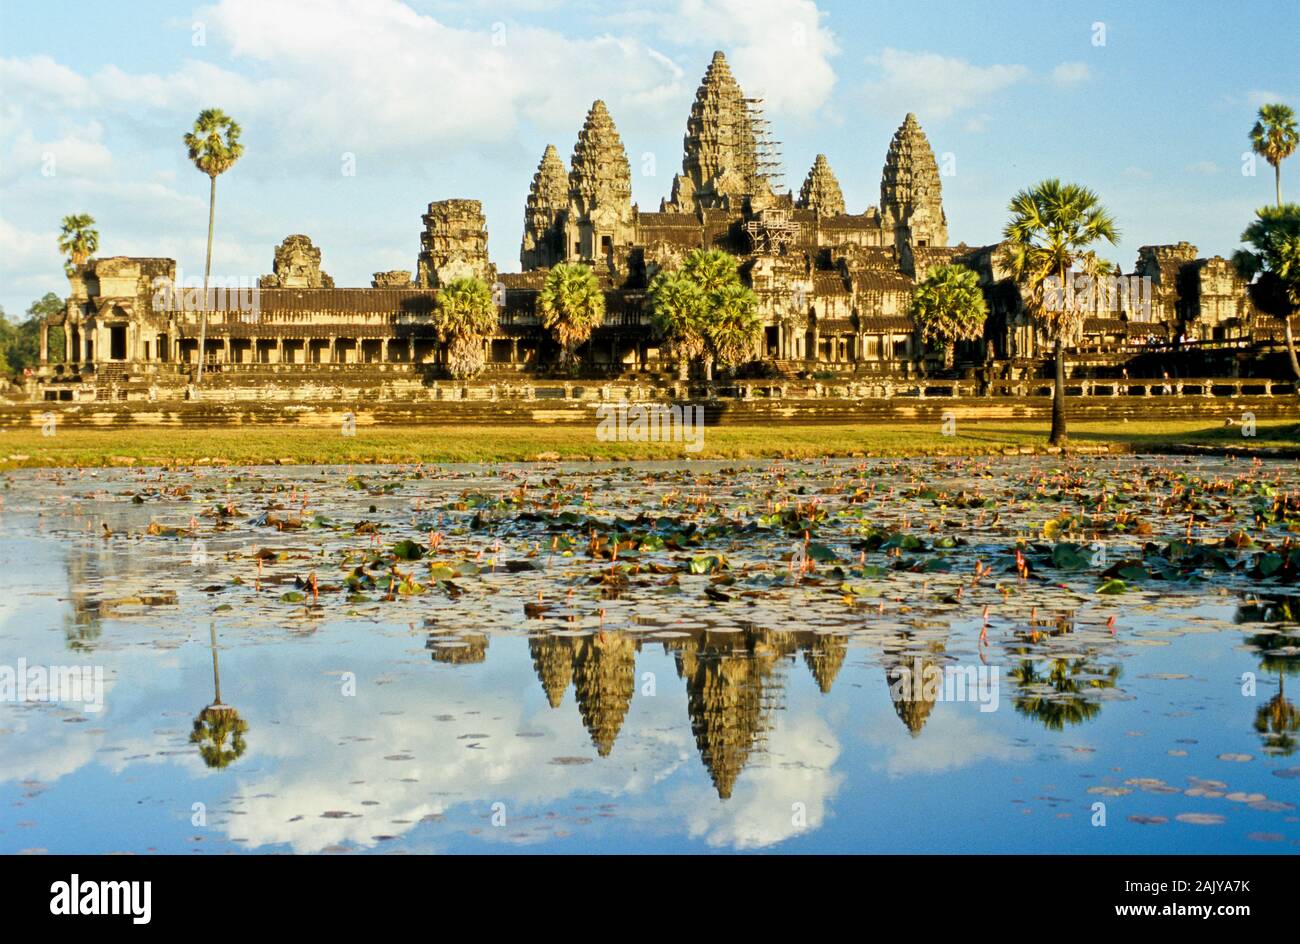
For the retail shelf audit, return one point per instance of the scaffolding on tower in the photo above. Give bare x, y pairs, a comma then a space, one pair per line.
767, 149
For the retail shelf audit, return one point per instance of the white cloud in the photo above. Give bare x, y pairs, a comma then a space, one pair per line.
79, 152
779, 50
1204, 167
935, 86
1071, 73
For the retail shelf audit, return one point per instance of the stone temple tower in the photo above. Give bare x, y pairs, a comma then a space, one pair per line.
720, 165
548, 200
821, 191
911, 204
599, 218
453, 244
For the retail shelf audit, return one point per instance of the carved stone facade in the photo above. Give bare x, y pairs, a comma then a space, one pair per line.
599, 220
821, 191
911, 201
454, 244
720, 166
544, 214
834, 287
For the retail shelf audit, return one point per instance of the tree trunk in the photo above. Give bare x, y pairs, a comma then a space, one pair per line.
1290, 346
216, 672
1277, 181
207, 271
949, 354
1058, 436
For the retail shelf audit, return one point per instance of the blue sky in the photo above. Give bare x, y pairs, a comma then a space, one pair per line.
458, 99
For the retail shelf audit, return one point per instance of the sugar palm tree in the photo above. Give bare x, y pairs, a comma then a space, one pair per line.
465, 317
1051, 227
716, 315
214, 147
949, 307
572, 305
733, 325
219, 722
710, 269
78, 240
1274, 258
677, 308
1274, 138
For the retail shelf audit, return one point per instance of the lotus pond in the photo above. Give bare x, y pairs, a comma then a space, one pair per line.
1034, 654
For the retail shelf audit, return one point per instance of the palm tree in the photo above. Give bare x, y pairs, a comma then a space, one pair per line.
1274, 138
733, 325
677, 308
705, 310
572, 305
1275, 239
1052, 225
464, 317
218, 722
710, 269
78, 239
214, 147
949, 307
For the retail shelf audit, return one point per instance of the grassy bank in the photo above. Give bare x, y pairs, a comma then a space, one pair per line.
298, 444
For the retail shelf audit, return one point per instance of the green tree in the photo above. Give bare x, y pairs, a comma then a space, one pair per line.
733, 325
706, 311
1274, 138
214, 147
572, 305
1051, 227
949, 307
78, 240
677, 309
1274, 260
465, 317
20, 342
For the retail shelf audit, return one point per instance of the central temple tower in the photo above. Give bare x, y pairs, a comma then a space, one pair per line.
720, 165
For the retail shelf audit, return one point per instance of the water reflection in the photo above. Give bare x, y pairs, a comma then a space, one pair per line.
219, 723
1277, 721
775, 730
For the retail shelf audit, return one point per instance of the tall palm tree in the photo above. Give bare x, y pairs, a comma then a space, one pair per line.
1275, 239
78, 240
1274, 138
949, 307
1052, 225
677, 308
214, 147
572, 305
465, 317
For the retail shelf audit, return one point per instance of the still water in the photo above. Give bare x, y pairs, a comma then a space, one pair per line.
993, 655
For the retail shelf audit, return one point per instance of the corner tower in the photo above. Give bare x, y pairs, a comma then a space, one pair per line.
548, 199
599, 220
911, 202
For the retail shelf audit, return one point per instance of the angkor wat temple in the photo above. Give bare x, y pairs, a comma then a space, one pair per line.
834, 287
